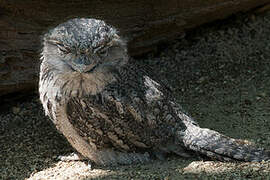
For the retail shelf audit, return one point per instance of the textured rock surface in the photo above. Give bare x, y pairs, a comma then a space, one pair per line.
144, 23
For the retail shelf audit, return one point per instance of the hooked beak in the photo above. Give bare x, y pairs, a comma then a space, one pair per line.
84, 68
83, 64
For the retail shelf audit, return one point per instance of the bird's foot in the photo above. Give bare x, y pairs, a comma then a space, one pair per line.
75, 157
114, 158
72, 157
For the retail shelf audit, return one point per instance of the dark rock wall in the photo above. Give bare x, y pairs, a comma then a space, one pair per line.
143, 23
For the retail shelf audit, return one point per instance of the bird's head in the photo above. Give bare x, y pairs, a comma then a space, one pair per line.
84, 45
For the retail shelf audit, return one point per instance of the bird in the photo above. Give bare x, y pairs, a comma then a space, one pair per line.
113, 112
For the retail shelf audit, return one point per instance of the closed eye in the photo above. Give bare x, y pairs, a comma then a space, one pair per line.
63, 48
103, 52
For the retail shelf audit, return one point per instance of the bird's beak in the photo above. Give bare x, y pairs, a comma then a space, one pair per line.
83, 64
84, 68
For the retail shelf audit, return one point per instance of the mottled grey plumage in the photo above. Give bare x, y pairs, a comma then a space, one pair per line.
113, 112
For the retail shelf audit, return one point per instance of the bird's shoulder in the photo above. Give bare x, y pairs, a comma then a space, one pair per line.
134, 79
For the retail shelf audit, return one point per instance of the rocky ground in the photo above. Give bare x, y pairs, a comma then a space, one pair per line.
220, 73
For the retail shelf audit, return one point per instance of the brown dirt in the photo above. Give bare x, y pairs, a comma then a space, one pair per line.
220, 73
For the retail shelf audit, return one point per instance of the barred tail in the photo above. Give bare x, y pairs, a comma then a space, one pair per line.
218, 146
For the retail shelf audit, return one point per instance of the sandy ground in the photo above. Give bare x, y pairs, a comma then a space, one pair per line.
220, 73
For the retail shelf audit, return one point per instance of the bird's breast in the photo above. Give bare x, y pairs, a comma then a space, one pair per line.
77, 84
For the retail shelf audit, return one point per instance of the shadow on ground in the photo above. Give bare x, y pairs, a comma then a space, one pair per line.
29, 142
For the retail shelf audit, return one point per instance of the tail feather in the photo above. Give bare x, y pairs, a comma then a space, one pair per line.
221, 147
